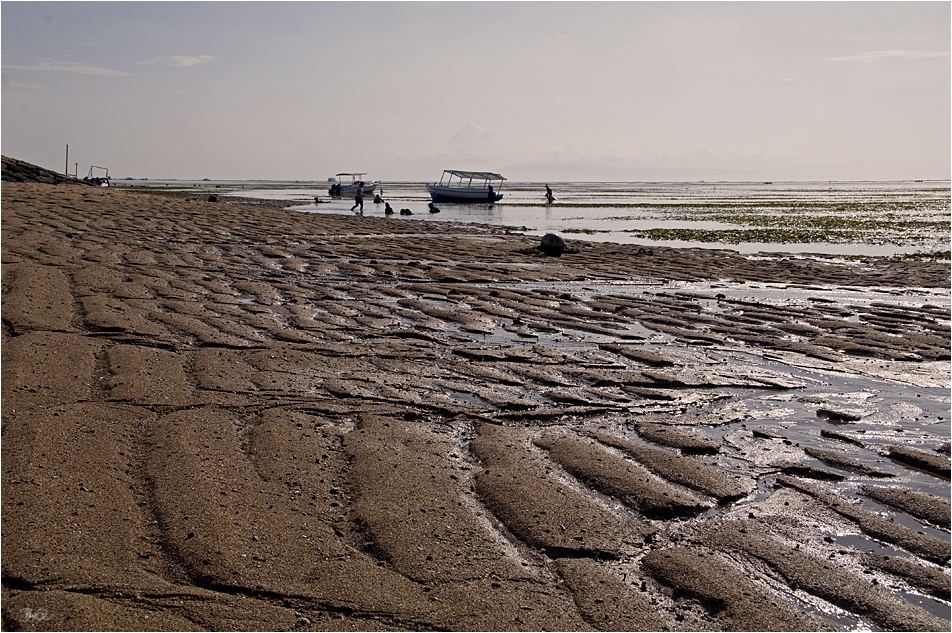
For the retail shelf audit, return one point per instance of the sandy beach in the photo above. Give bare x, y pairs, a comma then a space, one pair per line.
232, 416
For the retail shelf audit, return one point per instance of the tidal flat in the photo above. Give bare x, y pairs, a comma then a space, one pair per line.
910, 219
231, 415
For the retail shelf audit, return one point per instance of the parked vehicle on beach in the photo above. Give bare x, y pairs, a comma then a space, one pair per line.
343, 188
468, 186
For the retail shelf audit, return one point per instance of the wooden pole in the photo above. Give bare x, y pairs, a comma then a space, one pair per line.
67, 159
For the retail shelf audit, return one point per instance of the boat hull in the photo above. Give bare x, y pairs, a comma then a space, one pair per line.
462, 194
352, 190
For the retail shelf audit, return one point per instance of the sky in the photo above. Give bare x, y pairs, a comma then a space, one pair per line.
537, 91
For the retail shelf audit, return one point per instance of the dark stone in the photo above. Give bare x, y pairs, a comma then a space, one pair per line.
552, 245
839, 416
213, 198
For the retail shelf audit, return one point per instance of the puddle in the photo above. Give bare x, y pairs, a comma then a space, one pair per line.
894, 402
466, 398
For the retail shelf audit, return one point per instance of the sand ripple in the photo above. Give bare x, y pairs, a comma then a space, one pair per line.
230, 415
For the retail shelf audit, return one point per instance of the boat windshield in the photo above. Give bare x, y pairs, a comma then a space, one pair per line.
353, 176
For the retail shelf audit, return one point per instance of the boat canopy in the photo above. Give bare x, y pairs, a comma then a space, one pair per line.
464, 190
345, 173
473, 175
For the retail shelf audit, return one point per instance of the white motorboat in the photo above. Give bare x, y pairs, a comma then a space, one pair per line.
466, 186
342, 188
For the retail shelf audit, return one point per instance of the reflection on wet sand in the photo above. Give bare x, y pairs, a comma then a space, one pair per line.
231, 415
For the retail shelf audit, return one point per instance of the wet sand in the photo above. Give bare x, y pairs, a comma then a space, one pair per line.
230, 416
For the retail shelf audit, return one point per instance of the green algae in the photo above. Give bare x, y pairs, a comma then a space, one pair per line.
785, 235
586, 231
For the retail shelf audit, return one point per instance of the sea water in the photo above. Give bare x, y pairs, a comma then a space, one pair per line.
833, 218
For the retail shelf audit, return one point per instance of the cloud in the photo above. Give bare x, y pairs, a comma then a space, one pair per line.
70, 67
17, 85
183, 61
656, 153
472, 134
875, 56
591, 150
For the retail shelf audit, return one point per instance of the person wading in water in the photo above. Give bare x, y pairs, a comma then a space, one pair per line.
359, 198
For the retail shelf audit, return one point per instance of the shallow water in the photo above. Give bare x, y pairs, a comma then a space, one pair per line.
900, 403
846, 218
832, 218
905, 403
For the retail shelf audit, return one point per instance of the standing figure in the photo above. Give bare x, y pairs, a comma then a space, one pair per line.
359, 198
548, 194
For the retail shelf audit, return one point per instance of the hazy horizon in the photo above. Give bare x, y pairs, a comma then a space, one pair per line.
537, 91
322, 181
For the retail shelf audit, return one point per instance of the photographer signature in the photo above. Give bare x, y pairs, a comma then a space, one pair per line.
34, 615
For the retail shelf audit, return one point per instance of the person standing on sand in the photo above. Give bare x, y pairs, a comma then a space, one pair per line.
359, 198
